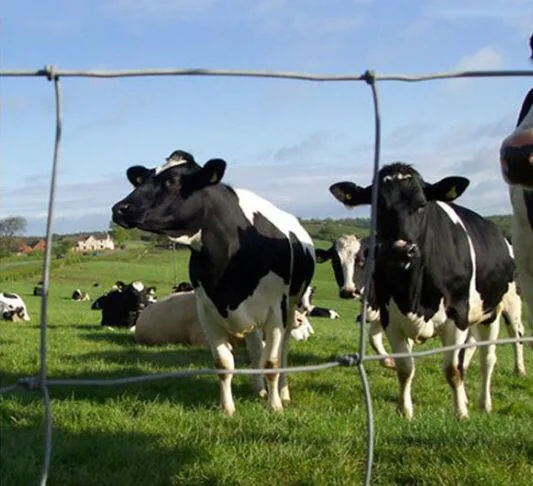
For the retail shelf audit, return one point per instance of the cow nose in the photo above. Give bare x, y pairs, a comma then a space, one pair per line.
347, 294
516, 158
122, 208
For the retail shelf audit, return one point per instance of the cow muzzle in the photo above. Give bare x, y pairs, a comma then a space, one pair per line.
516, 159
345, 293
124, 215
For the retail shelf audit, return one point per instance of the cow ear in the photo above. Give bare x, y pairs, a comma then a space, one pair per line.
214, 171
351, 194
211, 173
322, 255
138, 174
447, 189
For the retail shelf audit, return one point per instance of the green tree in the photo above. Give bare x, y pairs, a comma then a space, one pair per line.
9, 228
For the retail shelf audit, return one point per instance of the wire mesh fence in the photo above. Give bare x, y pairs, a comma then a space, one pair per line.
358, 359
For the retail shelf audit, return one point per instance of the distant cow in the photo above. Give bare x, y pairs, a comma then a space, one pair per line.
174, 320
306, 305
250, 262
183, 287
12, 307
121, 307
516, 157
347, 256
461, 271
80, 295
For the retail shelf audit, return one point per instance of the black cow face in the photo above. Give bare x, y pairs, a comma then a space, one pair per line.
402, 198
168, 199
121, 307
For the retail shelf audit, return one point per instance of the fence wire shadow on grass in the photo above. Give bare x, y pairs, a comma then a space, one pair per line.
358, 358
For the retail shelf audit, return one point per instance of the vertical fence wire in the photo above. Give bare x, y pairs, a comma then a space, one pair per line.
371, 80
370, 77
46, 280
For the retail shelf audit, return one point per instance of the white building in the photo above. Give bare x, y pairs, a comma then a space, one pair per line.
94, 243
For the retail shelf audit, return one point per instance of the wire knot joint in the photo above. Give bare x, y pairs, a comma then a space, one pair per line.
349, 359
370, 77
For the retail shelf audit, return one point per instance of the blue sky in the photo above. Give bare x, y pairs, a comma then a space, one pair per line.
286, 140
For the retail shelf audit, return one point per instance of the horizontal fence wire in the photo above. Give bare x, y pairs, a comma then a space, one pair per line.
42, 382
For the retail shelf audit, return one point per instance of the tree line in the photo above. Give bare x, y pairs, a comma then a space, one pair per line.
328, 229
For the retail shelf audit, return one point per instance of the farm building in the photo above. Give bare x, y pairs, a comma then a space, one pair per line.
30, 247
95, 242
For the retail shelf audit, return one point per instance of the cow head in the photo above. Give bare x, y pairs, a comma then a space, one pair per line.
168, 199
346, 262
121, 307
403, 197
516, 152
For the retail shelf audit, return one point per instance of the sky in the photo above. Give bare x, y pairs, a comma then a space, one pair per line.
286, 140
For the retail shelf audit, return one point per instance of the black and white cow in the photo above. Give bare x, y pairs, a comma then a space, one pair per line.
460, 269
306, 305
250, 261
121, 306
80, 295
347, 255
516, 157
12, 307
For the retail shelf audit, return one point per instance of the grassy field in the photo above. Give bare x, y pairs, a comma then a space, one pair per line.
171, 432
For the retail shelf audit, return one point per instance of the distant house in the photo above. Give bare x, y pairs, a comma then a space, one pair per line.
94, 242
30, 247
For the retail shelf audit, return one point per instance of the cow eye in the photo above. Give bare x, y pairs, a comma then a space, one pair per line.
170, 182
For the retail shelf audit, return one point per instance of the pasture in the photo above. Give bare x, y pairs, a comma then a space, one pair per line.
171, 432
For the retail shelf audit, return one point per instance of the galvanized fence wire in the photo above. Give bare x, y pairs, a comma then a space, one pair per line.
42, 382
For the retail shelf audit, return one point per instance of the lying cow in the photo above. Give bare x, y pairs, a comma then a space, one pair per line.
462, 270
174, 320
312, 310
182, 287
121, 306
12, 307
516, 157
250, 262
80, 295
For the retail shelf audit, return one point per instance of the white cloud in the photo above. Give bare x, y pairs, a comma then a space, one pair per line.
487, 58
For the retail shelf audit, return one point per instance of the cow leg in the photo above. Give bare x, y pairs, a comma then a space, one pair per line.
468, 353
254, 346
452, 336
375, 336
284, 380
223, 356
270, 359
487, 360
515, 329
405, 368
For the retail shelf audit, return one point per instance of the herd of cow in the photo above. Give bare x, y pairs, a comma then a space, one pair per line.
440, 269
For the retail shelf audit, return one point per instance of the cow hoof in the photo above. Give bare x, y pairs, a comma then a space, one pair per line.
263, 393
520, 372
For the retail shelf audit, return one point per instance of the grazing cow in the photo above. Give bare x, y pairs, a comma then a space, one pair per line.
347, 258
306, 305
121, 306
461, 267
516, 157
174, 320
12, 307
250, 261
80, 295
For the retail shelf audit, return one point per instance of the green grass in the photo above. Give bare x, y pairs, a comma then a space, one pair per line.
171, 432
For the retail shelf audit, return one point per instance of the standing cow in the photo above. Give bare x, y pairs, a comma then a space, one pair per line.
347, 255
516, 157
460, 270
250, 262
